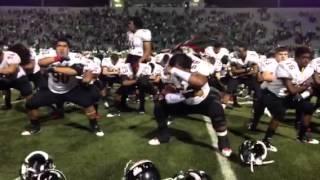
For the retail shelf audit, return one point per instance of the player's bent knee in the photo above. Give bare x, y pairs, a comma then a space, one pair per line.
91, 114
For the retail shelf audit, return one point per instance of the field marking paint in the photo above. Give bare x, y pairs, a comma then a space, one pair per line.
224, 163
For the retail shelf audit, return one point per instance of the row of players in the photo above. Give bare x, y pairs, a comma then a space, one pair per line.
181, 82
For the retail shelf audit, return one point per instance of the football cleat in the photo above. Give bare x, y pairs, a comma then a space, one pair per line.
226, 152
270, 147
30, 130
97, 130
106, 104
110, 115
154, 142
308, 140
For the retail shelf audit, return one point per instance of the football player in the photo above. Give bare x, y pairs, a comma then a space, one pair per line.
29, 66
139, 39
29, 63
134, 77
110, 73
244, 69
289, 90
266, 75
12, 75
189, 95
63, 86
217, 52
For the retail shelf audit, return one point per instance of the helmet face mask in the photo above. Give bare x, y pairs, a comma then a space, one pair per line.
192, 175
253, 153
52, 174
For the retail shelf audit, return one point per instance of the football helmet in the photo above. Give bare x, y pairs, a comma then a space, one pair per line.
34, 164
52, 174
192, 175
141, 170
253, 153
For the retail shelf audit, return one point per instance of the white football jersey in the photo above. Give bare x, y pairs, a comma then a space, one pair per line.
209, 51
268, 65
92, 65
185, 86
313, 66
251, 58
60, 83
136, 40
9, 58
197, 99
201, 66
157, 70
159, 57
144, 69
107, 62
43, 53
286, 69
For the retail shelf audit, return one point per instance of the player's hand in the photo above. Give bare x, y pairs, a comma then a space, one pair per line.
297, 98
167, 70
248, 69
152, 77
51, 69
61, 58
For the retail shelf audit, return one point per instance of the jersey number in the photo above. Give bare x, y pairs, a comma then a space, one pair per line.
60, 78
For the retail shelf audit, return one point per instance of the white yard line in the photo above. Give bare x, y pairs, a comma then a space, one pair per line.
224, 163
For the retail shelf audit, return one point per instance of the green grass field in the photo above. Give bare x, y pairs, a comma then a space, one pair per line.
83, 156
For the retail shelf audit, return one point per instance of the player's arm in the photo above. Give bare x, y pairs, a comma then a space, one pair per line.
237, 71
88, 77
74, 70
253, 70
316, 78
65, 70
265, 76
108, 71
195, 80
155, 79
217, 75
293, 89
146, 51
11, 69
126, 81
44, 62
147, 46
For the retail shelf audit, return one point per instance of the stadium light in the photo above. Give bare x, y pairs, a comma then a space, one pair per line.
117, 3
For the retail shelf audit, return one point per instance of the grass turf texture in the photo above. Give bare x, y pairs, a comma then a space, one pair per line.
83, 156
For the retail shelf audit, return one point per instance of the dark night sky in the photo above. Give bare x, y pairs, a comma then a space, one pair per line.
265, 3
222, 3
